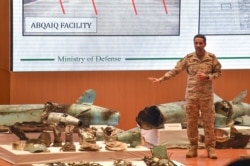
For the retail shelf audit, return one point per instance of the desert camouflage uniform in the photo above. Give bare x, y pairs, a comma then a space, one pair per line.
199, 94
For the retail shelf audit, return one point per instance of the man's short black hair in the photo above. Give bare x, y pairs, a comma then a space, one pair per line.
201, 36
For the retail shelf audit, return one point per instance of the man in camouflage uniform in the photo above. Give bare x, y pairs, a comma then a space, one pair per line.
202, 67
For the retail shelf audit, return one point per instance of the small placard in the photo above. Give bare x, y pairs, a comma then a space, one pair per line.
172, 126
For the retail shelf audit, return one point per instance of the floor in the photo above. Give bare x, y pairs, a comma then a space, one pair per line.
225, 156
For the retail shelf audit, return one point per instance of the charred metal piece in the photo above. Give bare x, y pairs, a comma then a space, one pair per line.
237, 139
18, 132
19, 145
84, 164
150, 117
32, 146
110, 139
87, 140
62, 119
69, 142
115, 146
87, 135
35, 148
132, 137
75, 164
224, 108
45, 138
224, 140
68, 146
110, 133
85, 146
121, 162
57, 136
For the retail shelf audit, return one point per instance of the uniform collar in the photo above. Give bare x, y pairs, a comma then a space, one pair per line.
204, 57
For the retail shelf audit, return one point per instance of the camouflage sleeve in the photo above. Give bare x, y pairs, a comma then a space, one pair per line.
216, 72
181, 64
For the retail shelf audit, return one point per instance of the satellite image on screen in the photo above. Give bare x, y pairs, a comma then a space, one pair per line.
222, 17
98, 17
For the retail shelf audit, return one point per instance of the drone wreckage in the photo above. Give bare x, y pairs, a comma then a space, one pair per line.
227, 114
83, 114
55, 117
73, 118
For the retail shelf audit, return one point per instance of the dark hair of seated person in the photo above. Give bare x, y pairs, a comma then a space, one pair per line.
240, 162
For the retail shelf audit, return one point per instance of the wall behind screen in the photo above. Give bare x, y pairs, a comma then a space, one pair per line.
5, 52
125, 91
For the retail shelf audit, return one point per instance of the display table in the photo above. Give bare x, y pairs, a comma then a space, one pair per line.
110, 163
55, 155
102, 157
178, 138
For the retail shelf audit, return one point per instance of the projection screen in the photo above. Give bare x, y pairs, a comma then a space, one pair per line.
107, 35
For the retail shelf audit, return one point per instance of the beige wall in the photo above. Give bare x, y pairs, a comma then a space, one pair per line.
126, 91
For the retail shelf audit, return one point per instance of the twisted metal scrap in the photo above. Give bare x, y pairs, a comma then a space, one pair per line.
159, 157
84, 164
121, 162
76, 164
68, 146
85, 146
110, 133
154, 161
225, 108
115, 146
88, 139
87, 135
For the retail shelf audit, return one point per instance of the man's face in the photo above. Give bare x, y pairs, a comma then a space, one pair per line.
199, 45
